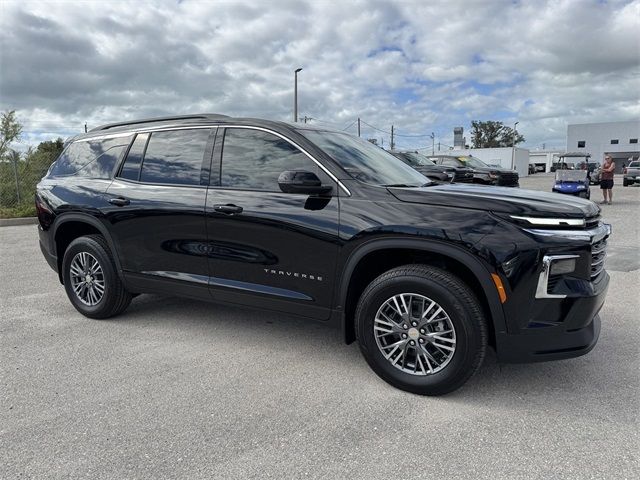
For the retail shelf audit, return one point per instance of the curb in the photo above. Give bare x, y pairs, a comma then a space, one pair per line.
10, 222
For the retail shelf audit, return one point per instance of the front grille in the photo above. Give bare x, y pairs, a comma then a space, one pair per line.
508, 179
592, 222
598, 255
463, 177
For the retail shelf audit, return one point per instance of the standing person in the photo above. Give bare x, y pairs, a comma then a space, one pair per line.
606, 179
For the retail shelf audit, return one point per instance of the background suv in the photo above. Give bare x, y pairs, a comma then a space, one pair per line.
429, 168
482, 173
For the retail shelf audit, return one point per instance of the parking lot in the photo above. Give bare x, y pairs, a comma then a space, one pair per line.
176, 388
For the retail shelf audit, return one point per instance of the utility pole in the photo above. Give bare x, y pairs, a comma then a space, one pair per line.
392, 144
85, 127
513, 145
433, 143
358, 126
295, 95
438, 146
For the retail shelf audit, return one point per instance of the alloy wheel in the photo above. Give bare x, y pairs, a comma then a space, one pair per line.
87, 278
415, 334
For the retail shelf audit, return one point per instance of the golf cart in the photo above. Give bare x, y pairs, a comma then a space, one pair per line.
572, 182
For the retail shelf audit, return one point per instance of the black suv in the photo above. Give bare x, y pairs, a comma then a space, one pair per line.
482, 173
428, 168
326, 226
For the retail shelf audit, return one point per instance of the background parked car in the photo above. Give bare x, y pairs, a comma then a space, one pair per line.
631, 174
482, 173
428, 167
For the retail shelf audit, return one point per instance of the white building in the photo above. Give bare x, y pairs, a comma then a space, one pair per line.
512, 158
618, 139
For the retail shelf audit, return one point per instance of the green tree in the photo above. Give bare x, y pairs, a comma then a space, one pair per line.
10, 131
492, 134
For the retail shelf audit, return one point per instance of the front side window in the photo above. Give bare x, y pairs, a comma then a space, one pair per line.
175, 157
253, 160
90, 158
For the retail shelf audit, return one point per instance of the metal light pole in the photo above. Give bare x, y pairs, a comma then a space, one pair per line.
295, 94
513, 145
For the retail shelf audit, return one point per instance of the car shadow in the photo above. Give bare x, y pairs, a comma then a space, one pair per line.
548, 385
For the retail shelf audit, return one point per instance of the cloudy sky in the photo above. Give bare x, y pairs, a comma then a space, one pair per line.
423, 66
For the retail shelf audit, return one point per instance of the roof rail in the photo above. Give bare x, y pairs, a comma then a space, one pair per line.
200, 116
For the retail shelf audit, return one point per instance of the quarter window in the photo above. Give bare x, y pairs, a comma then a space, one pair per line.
175, 157
90, 158
253, 160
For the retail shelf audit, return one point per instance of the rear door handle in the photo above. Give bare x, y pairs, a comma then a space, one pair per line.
119, 201
228, 209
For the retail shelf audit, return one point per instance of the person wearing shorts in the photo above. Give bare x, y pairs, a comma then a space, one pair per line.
606, 179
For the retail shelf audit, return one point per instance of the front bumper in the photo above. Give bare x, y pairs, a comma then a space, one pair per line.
576, 335
632, 180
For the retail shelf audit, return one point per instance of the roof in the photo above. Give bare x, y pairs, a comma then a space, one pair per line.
172, 119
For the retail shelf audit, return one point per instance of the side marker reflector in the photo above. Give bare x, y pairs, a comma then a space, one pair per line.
501, 291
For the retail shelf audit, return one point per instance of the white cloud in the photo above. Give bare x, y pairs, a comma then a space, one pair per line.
423, 66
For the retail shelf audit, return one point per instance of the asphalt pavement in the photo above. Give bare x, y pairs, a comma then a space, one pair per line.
176, 388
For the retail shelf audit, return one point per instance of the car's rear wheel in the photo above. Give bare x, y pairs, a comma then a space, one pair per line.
421, 329
91, 279
625, 183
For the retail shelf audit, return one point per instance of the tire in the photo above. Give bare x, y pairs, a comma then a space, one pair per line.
447, 370
625, 183
87, 297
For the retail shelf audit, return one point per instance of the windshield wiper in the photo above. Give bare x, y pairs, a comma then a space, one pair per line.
404, 185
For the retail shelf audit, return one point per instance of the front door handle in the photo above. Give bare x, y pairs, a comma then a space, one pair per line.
119, 201
228, 209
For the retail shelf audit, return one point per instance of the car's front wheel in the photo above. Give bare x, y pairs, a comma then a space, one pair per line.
91, 279
421, 329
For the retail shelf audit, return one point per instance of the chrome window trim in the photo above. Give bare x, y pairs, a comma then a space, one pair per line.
104, 137
543, 279
250, 127
558, 222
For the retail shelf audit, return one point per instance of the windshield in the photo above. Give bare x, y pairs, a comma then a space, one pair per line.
571, 175
417, 159
473, 162
364, 161
634, 164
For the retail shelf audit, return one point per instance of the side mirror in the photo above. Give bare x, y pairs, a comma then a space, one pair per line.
301, 181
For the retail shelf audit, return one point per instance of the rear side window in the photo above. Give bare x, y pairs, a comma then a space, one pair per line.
93, 158
131, 167
175, 157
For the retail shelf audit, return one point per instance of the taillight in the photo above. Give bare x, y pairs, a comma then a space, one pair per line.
624, 170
